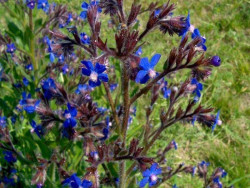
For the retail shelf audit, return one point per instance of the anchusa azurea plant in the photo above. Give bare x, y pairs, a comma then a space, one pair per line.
71, 110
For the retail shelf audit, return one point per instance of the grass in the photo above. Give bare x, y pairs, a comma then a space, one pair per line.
225, 23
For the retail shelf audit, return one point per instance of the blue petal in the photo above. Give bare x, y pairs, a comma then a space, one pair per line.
99, 68
94, 84
194, 81
145, 79
88, 65
77, 180
153, 167
103, 77
146, 173
83, 15
33, 123
52, 57
144, 63
155, 60
140, 75
200, 86
152, 183
157, 171
144, 181
86, 184
85, 5
86, 72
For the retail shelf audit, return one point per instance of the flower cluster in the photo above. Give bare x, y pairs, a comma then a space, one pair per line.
81, 97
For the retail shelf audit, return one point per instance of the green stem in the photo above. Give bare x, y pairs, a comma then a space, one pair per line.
32, 45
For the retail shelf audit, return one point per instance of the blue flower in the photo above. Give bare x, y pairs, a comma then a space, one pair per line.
166, 92
95, 74
147, 69
85, 7
217, 182
70, 115
150, 175
139, 51
95, 155
215, 61
13, 119
174, 144
49, 88
27, 103
69, 19
25, 81
9, 157
61, 58
65, 69
187, 26
85, 39
199, 87
31, 4
82, 88
157, 12
112, 87
38, 129
174, 186
204, 164
105, 131
11, 48
75, 182
3, 122
29, 67
43, 4
217, 120
195, 34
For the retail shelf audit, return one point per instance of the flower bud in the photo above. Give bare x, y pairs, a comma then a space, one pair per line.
215, 61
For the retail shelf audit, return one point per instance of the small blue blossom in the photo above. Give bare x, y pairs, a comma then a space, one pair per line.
61, 58
157, 12
193, 170
95, 155
85, 39
204, 163
69, 19
85, 7
199, 87
38, 129
102, 110
11, 48
166, 92
65, 69
139, 51
75, 182
185, 30
195, 34
147, 69
70, 115
150, 175
44, 5
217, 182
215, 61
3, 122
31, 4
9, 157
25, 81
174, 186
224, 173
95, 74
105, 131
26, 103
83, 88
29, 67
48, 87
112, 87
175, 145
217, 120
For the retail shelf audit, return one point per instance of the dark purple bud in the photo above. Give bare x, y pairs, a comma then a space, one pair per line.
215, 61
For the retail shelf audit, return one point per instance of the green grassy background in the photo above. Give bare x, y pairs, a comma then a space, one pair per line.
225, 24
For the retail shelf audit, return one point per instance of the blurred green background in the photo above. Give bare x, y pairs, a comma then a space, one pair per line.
225, 24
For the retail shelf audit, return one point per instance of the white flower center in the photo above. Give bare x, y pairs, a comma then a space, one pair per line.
191, 28
85, 37
43, 4
219, 122
96, 156
68, 116
93, 76
153, 178
151, 73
